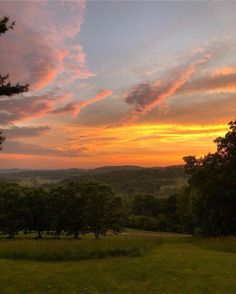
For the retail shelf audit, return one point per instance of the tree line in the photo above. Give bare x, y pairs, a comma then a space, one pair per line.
206, 206
72, 209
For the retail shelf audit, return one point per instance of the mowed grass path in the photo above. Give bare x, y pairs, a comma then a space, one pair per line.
175, 266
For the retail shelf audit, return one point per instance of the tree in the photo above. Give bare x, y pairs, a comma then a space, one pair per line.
146, 205
6, 87
35, 210
104, 211
74, 209
5, 25
11, 221
213, 187
57, 209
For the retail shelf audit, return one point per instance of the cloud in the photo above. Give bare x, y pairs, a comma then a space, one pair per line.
44, 43
202, 110
75, 107
147, 95
25, 132
27, 107
15, 147
19, 109
219, 81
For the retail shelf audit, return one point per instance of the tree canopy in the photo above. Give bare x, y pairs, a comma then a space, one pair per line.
213, 187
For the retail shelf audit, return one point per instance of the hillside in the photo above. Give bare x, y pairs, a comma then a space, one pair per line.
160, 181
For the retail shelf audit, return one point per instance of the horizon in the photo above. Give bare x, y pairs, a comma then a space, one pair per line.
94, 168
145, 91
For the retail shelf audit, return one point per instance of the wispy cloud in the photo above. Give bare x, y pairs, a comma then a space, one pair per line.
75, 107
16, 147
25, 132
148, 95
20, 108
219, 81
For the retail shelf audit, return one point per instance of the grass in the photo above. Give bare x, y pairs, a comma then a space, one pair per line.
225, 244
175, 266
55, 250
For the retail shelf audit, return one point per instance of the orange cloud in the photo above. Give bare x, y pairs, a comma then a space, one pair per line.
75, 107
218, 81
227, 70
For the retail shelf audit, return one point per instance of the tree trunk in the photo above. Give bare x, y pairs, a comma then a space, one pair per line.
76, 235
11, 235
97, 234
39, 235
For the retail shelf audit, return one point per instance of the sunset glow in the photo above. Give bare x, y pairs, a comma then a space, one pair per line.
110, 89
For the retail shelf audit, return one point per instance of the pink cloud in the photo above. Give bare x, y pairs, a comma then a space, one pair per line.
27, 107
148, 95
25, 132
43, 44
75, 107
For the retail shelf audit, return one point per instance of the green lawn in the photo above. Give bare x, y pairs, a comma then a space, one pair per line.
174, 266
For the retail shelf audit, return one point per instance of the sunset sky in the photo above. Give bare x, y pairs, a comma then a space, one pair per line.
116, 82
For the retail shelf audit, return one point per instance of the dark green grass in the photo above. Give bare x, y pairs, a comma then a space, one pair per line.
225, 244
173, 266
87, 248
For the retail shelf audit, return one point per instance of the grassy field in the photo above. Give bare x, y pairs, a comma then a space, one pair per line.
87, 248
226, 244
175, 265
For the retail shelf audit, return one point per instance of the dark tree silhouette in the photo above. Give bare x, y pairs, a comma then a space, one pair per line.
6, 87
213, 187
5, 25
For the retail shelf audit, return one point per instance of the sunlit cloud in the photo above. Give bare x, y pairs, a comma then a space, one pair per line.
149, 95
75, 107
25, 132
20, 108
222, 80
17, 147
169, 84
40, 54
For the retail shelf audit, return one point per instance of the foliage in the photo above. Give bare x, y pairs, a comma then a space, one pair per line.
35, 213
5, 25
70, 208
212, 185
10, 212
7, 89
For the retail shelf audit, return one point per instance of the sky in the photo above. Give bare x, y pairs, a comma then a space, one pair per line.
116, 82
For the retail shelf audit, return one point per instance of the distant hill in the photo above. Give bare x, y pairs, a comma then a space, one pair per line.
160, 181
124, 180
105, 169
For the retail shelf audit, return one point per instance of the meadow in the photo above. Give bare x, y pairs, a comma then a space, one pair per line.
69, 249
166, 263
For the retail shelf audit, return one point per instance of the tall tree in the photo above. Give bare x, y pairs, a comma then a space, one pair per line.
35, 210
6, 87
104, 211
10, 209
213, 187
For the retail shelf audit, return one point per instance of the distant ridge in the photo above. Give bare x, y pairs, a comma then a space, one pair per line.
124, 180
106, 168
115, 168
